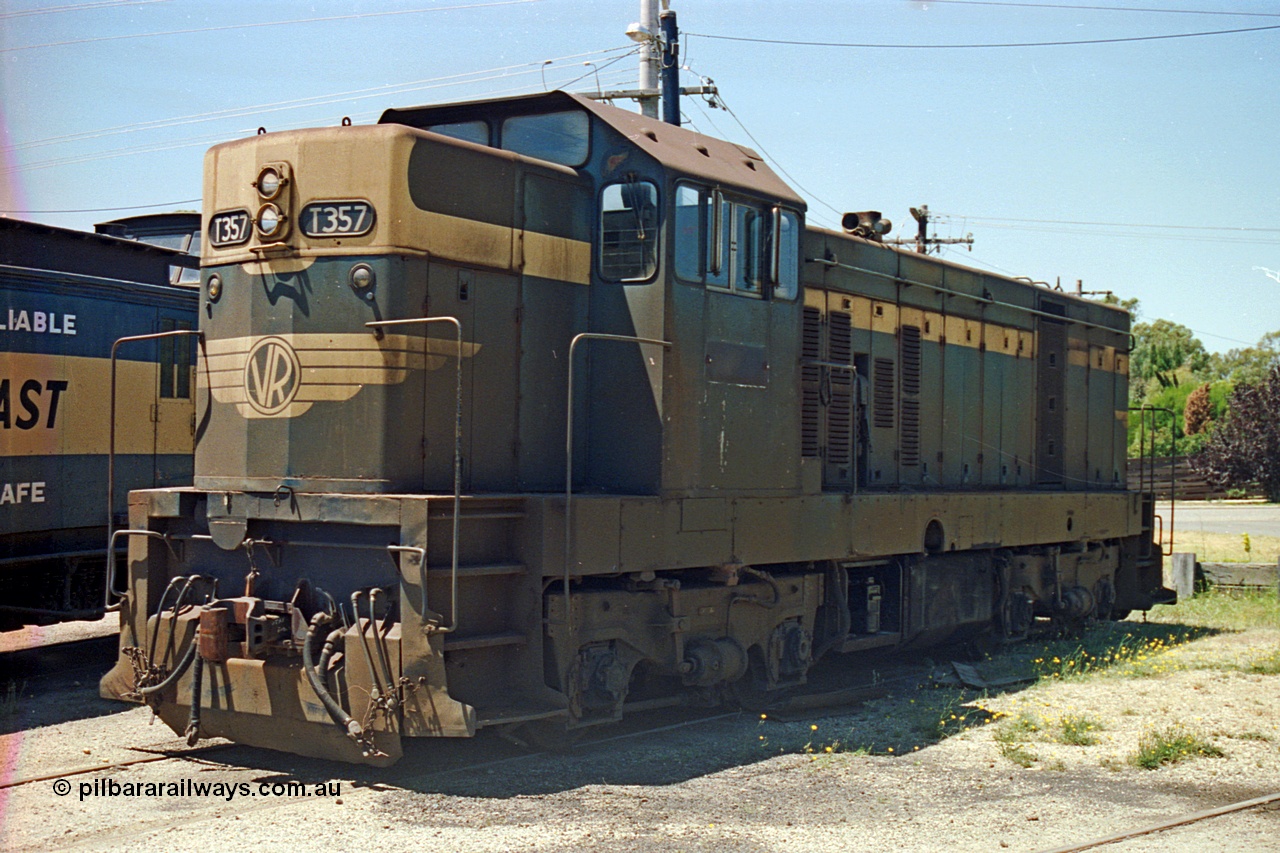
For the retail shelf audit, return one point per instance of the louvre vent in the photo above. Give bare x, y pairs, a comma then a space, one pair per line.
810, 377
883, 393
841, 338
910, 359
840, 409
910, 432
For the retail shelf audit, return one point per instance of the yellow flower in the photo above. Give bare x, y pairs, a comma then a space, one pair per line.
813, 728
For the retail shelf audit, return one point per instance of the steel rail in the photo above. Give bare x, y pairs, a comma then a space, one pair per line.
1169, 824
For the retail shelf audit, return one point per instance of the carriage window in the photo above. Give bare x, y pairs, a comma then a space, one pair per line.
467, 131
629, 231
561, 137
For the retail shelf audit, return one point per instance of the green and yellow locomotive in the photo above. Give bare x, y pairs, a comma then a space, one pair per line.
535, 411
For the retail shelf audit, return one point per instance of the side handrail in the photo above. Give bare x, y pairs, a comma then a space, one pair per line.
457, 463
1147, 465
111, 442
111, 563
568, 451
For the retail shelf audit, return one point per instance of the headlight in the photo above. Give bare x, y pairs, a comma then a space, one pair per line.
214, 288
269, 183
362, 280
270, 220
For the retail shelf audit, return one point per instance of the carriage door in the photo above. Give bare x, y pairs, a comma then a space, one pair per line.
173, 410
1051, 368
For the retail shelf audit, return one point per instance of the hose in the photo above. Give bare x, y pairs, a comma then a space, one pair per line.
193, 721
172, 677
344, 721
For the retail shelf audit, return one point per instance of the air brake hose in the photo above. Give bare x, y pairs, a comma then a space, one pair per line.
193, 721
173, 677
345, 721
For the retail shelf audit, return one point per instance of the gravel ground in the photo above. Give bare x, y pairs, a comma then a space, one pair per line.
735, 782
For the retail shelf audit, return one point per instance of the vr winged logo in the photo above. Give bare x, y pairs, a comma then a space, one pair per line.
272, 375
282, 376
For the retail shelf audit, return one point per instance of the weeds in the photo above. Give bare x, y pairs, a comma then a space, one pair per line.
1079, 730
1018, 754
1171, 745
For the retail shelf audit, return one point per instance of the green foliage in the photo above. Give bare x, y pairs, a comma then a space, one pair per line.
1171, 745
1249, 365
1078, 730
1165, 354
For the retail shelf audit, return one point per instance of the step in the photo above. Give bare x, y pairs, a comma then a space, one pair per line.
455, 643
481, 570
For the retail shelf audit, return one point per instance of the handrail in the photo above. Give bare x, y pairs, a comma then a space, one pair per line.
111, 440
457, 461
1144, 459
422, 567
111, 563
568, 450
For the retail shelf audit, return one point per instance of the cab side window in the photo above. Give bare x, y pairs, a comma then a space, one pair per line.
729, 244
629, 231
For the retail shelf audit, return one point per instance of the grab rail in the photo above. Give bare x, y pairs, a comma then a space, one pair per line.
111, 442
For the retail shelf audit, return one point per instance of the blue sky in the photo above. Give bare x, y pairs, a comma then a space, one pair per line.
1171, 144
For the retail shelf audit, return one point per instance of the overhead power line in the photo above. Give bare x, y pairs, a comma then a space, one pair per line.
353, 16
995, 219
111, 209
77, 7
1110, 8
872, 45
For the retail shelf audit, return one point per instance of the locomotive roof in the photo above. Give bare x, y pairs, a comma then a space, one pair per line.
683, 151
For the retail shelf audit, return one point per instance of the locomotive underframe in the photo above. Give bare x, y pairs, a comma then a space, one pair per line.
669, 599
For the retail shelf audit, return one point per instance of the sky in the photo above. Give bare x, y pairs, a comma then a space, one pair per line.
1147, 168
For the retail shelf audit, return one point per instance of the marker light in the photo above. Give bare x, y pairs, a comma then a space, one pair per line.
362, 280
269, 183
214, 288
270, 221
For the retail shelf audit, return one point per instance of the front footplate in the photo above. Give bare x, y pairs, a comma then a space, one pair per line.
210, 672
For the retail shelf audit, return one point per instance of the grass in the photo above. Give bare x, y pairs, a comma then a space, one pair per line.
1078, 730
903, 723
1158, 747
1221, 610
1226, 547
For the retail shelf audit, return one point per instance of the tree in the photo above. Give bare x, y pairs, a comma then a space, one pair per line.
1250, 364
1198, 411
1162, 349
1245, 446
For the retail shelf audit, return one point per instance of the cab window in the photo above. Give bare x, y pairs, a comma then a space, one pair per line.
728, 244
562, 137
629, 231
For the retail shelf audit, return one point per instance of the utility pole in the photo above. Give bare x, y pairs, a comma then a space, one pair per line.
659, 40
923, 242
649, 58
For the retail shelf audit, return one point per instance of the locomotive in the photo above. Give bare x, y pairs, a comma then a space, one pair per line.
533, 412
65, 297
